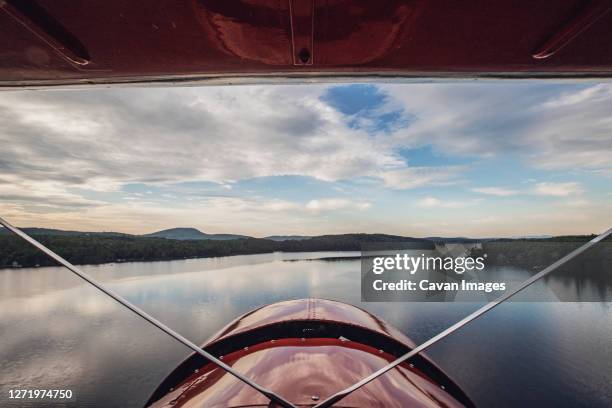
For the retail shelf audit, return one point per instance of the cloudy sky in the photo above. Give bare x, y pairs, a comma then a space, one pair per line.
471, 159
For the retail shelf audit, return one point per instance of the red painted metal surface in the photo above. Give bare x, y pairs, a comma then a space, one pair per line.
309, 310
157, 39
590, 13
302, 369
306, 370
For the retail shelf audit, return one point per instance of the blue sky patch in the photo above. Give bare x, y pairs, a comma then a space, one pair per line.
367, 108
426, 156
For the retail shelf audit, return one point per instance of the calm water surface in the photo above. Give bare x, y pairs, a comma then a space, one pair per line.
56, 332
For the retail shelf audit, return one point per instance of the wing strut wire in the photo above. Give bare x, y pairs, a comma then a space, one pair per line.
344, 393
269, 394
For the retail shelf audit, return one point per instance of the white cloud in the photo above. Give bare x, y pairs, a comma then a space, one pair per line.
40, 193
429, 202
496, 191
280, 205
107, 137
433, 202
56, 143
333, 204
557, 189
414, 177
551, 127
600, 92
578, 203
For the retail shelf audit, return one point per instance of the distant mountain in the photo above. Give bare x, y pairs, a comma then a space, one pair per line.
191, 234
533, 237
455, 240
463, 240
195, 234
173, 233
287, 237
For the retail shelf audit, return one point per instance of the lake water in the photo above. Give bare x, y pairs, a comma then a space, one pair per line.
57, 332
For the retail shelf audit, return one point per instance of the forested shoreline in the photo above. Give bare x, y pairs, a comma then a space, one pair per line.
100, 248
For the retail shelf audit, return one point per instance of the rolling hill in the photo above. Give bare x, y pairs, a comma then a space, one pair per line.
191, 234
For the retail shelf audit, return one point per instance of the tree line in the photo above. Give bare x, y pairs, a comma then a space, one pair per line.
97, 249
